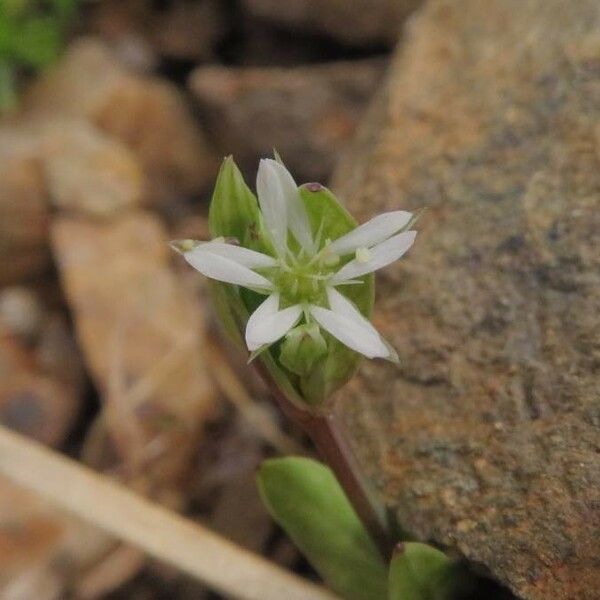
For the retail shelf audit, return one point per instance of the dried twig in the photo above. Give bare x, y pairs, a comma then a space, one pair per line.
164, 535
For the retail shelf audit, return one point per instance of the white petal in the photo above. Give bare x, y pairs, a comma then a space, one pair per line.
272, 204
372, 232
243, 256
343, 306
224, 269
297, 219
357, 334
267, 323
340, 304
381, 255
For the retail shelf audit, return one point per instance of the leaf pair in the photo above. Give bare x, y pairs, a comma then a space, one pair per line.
306, 500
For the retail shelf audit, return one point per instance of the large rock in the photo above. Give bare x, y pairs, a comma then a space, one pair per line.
308, 114
358, 22
486, 437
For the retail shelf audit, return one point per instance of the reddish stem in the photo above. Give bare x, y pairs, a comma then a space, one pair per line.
324, 431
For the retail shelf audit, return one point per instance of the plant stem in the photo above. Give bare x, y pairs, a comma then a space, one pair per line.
324, 431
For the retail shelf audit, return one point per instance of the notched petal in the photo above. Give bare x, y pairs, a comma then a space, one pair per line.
357, 334
267, 324
243, 256
225, 269
381, 255
272, 203
297, 219
372, 232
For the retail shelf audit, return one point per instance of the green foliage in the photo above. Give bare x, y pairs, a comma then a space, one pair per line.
421, 572
31, 37
306, 500
304, 497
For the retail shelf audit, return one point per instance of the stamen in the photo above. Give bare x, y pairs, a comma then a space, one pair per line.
363, 255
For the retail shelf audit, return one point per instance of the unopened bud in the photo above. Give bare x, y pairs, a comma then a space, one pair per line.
302, 348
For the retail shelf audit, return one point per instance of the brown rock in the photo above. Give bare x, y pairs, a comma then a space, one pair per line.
308, 114
358, 22
486, 437
87, 170
140, 333
65, 162
24, 216
145, 113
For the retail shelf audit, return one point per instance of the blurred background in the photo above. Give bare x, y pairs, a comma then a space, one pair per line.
115, 115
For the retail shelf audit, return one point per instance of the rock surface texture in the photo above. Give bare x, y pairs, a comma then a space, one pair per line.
486, 437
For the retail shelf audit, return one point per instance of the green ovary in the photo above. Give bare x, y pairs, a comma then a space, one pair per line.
300, 284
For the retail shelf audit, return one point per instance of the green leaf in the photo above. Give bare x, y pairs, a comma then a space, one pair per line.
421, 572
304, 497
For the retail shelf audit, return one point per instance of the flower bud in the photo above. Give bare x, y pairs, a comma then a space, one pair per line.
302, 349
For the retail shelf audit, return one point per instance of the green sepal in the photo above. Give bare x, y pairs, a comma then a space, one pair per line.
421, 572
234, 211
306, 500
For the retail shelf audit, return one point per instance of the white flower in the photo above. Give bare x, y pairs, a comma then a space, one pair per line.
300, 284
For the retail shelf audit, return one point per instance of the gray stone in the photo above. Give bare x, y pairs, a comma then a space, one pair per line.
486, 437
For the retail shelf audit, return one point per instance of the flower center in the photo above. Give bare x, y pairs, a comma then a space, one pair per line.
300, 285
304, 281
